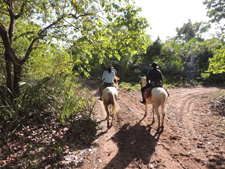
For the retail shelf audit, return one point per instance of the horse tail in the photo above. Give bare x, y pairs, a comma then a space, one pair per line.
113, 101
164, 97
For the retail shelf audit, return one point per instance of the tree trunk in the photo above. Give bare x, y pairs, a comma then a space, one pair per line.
9, 82
17, 79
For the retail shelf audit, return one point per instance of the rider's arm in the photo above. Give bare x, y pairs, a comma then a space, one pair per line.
103, 76
161, 76
148, 77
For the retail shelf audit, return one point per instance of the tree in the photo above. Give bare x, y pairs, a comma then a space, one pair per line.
217, 63
118, 42
189, 31
216, 13
59, 21
216, 10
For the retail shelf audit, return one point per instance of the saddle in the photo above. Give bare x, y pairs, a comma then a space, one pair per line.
148, 91
104, 85
155, 83
108, 85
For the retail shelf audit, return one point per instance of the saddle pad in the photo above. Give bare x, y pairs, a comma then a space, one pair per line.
147, 93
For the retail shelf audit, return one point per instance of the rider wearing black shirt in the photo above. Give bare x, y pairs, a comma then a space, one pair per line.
154, 78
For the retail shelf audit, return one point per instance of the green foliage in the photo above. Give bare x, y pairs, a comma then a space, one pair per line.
61, 96
205, 76
217, 63
215, 9
118, 42
105, 29
49, 61
35, 97
189, 31
203, 51
153, 50
75, 102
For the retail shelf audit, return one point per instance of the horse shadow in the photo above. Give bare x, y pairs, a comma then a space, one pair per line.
135, 145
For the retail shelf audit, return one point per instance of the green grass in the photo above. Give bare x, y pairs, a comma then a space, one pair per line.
130, 86
136, 85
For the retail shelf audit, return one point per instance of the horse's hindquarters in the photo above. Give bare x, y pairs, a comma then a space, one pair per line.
158, 98
157, 93
109, 98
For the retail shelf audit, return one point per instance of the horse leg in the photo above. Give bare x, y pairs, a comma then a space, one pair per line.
158, 117
163, 115
107, 111
113, 115
153, 111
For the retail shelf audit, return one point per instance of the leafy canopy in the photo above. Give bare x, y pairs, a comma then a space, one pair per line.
217, 63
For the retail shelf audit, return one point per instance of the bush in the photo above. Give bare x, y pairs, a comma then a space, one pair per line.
60, 96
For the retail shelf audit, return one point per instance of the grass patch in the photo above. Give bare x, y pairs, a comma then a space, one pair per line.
130, 86
136, 85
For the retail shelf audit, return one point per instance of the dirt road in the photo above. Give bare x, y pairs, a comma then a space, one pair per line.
193, 136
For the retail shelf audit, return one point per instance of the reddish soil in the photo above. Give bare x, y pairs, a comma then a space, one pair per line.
193, 135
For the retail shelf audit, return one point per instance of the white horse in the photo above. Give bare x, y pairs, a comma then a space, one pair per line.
158, 97
109, 98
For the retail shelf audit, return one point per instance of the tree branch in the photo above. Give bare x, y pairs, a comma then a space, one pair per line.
7, 45
6, 1
12, 20
40, 35
76, 17
21, 10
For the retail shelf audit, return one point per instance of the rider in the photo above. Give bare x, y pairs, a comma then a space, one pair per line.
155, 77
108, 79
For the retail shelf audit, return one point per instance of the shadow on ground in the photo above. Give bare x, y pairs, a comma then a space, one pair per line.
135, 145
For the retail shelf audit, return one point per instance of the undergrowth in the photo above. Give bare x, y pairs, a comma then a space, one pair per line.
63, 97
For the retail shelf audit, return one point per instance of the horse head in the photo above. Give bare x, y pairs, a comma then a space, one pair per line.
143, 81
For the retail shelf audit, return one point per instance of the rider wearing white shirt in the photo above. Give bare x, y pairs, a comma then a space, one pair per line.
108, 79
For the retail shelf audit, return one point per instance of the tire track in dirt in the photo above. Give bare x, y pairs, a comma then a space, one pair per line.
171, 137
130, 143
186, 131
186, 137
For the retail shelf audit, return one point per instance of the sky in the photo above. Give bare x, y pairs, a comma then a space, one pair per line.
164, 16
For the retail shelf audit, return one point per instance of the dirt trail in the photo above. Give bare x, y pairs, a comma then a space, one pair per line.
193, 136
